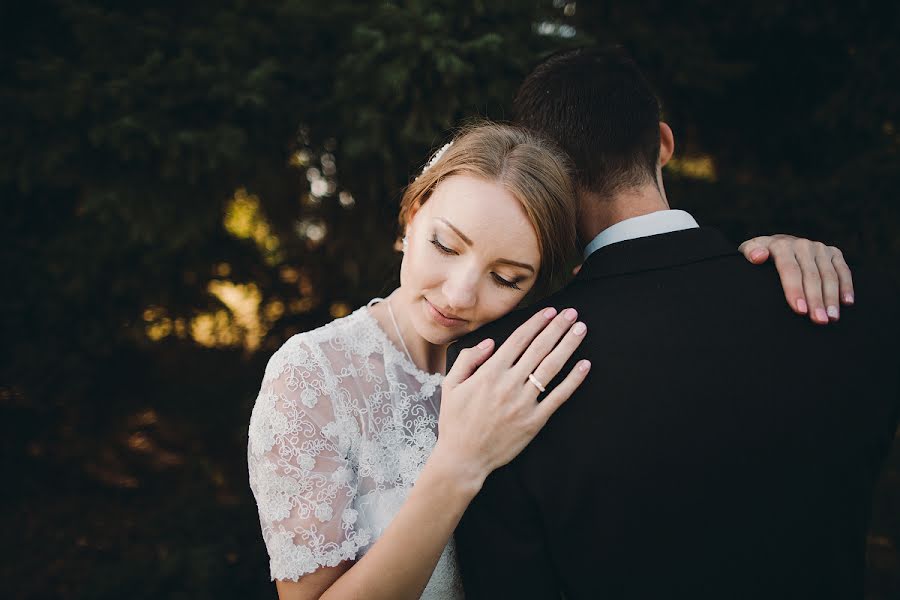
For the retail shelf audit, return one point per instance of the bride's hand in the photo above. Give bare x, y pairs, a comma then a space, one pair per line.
815, 277
489, 407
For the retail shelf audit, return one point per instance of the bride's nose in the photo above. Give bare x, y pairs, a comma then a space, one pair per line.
460, 290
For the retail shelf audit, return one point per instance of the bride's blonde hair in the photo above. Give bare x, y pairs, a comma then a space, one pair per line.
532, 169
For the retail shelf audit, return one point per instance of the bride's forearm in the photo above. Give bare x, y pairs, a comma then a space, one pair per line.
401, 561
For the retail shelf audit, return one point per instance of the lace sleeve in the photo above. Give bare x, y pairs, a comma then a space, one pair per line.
300, 469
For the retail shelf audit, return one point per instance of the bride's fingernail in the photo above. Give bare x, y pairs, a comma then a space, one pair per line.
579, 329
757, 254
486, 344
801, 305
833, 312
584, 365
848, 298
550, 313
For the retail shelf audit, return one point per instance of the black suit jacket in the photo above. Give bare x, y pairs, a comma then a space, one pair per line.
721, 447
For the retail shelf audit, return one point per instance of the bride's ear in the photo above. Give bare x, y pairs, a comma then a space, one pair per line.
410, 215
402, 244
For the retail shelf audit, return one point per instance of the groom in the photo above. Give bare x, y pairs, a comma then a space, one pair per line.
679, 469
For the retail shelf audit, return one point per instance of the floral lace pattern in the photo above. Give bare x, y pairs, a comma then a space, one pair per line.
341, 428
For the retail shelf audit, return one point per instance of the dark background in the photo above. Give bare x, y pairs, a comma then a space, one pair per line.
186, 184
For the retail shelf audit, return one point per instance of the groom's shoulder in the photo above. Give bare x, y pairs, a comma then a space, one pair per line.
876, 289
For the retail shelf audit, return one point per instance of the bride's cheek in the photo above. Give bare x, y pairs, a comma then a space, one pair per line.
497, 310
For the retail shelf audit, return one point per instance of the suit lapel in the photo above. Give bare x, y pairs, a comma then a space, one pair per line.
656, 252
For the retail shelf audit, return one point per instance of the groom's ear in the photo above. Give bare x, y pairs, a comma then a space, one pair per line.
666, 143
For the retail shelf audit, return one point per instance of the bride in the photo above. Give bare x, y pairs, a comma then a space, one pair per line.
357, 495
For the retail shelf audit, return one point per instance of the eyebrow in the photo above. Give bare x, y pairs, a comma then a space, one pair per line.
458, 232
469, 242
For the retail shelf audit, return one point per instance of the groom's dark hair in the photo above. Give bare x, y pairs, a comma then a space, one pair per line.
598, 107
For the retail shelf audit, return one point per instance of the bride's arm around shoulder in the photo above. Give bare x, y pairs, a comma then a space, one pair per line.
300, 475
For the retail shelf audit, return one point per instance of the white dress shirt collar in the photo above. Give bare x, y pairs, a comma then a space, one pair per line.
655, 223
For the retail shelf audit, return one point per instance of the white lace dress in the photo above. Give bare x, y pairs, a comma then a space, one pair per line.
340, 430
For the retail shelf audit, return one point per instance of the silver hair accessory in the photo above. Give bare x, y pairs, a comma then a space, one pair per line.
405, 244
437, 156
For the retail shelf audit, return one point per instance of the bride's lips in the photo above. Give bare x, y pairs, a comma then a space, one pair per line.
441, 318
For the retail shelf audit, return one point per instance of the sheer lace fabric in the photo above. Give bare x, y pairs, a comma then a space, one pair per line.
341, 428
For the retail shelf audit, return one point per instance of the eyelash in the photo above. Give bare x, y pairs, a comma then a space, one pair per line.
497, 279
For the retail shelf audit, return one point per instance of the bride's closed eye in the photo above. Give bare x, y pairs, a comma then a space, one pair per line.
505, 283
441, 248
497, 279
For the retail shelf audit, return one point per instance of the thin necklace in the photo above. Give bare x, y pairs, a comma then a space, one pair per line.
399, 335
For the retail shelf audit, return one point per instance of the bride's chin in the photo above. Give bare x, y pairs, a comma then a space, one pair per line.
438, 338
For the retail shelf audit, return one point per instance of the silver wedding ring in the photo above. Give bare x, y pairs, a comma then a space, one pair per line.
536, 383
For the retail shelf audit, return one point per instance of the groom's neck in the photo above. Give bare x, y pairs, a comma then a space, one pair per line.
596, 213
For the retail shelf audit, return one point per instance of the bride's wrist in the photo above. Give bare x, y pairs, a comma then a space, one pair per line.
460, 475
